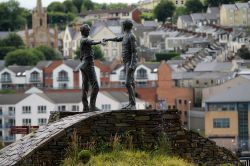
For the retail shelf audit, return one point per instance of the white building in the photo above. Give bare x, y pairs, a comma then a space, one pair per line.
145, 75
19, 77
33, 108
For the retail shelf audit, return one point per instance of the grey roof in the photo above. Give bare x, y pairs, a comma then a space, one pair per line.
186, 18
43, 64
150, 24
117, 96
65, 97
229, 6
10, 99
152, 66
200, 75
242, 5
240, 93
2, 64
198, 16
4, 34
213, 10
72, 63
214, 66
19, 69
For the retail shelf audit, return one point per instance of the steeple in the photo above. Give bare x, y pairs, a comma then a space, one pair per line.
39, 5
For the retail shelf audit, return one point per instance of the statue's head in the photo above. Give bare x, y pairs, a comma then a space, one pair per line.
127, 25
85, 28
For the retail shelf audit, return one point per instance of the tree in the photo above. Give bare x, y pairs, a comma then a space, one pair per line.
13, 40
87, 5
10, 43
49, 53
166, 55
56, 7
147, 16
243, 52
24, 57
194, 6
117, 5
179, 12
98, 54
61, 19
164, 10
78, 4
69, 7
11, 16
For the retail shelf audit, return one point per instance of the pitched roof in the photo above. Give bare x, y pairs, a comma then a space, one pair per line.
186, 18
214, 66
72, 63
65, 97
43, 64
240, 93
19, 70
10, 99
229, 6
118, 96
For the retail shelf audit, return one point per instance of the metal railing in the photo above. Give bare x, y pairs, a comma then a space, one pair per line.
6, 80
245, 161
62, 78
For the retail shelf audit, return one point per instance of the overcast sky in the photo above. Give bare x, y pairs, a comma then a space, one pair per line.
32, 3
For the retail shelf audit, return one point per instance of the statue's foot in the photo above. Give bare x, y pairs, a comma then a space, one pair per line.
129, 107
85, 109
92, 109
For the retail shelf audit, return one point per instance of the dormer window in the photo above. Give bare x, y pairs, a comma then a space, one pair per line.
142, 74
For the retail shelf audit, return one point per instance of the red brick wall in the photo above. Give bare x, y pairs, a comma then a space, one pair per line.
167, 91
136, 15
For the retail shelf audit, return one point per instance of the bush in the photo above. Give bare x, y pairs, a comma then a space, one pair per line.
84, 156
166, 56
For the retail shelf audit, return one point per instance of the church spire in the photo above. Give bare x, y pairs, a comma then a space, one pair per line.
39, 5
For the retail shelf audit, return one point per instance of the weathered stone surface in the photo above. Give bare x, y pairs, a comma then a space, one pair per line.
48, 145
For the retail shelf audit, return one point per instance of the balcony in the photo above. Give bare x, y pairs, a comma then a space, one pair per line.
142, 77
62, 79
121, 77
6, 80
35, 79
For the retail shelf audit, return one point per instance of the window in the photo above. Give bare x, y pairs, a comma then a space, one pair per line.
176, 2
41, 22
122, 75
182, 2
141, 74
185, 102
5, 77
221, 123
114, 52
42, 109
1, 111
62, 108
26, 122
26, 110
34, 77
106, 107
75, 108
42, 121
180, 102
114, 44
63, 86
63, 76
212, 81
197, 82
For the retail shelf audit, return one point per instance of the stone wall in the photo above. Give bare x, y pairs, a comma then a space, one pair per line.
146, 127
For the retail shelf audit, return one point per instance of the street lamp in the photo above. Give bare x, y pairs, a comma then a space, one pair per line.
189, 121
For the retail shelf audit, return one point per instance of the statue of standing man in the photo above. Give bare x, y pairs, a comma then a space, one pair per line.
129, 55
87, 69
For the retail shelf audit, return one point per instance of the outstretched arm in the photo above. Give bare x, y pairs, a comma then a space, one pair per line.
116, 39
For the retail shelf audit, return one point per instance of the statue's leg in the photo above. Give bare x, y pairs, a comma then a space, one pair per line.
130, 87
94, 85
85, 89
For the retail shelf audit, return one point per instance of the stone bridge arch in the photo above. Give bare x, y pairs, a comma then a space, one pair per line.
47, 146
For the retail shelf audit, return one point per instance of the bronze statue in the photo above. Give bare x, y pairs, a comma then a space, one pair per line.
129, 56
87, 69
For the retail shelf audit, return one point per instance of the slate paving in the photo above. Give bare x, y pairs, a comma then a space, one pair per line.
13, 153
